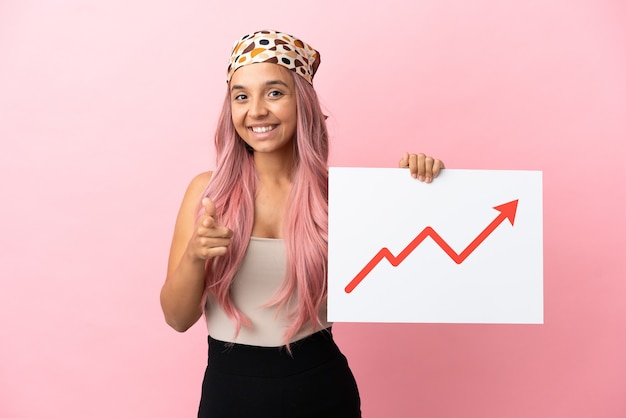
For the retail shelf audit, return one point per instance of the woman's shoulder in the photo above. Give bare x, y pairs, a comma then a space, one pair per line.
202, 179
198, 184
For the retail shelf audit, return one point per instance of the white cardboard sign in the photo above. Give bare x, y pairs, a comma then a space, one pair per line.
467, 248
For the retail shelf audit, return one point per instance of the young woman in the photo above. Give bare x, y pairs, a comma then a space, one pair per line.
250, 244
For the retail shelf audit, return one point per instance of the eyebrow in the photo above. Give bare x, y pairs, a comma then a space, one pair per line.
267, 84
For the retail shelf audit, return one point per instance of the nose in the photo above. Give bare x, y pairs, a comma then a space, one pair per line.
258, 108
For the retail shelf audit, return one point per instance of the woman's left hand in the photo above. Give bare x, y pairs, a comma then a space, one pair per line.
421, 166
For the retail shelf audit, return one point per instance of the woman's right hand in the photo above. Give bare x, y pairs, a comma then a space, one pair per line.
208, 240
196, 239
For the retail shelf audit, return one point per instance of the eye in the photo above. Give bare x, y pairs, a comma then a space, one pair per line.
240, 97
275, 93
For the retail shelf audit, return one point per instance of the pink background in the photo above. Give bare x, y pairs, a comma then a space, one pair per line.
107, 110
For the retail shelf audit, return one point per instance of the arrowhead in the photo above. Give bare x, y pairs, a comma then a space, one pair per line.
508, 210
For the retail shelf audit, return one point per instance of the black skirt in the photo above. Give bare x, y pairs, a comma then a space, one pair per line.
249, 381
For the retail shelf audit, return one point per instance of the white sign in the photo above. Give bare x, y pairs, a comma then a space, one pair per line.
466, 248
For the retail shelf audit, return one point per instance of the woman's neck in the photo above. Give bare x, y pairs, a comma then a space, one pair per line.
274, 167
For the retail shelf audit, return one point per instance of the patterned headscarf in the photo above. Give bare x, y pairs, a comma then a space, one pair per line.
277, 48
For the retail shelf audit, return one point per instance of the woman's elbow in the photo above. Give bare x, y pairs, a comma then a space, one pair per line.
177, 325
181, 324
178, 317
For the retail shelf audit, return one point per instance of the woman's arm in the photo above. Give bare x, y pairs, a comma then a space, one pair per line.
421, 166
193, 243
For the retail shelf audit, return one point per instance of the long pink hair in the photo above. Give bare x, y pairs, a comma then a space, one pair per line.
233, 189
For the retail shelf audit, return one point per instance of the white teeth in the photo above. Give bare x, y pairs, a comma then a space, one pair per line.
261, 129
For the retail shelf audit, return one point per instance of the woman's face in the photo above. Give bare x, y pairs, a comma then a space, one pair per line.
263, 104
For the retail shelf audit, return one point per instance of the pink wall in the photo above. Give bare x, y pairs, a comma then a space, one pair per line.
107, 110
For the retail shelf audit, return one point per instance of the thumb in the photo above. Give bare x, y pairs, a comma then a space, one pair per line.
209, 207
404, 161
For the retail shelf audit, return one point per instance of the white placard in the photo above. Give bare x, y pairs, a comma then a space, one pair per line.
468, 246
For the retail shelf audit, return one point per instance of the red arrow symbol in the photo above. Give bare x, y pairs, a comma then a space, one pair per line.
507, 211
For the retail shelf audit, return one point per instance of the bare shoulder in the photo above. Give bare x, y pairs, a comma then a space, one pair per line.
193, 195
199, 183
197, 186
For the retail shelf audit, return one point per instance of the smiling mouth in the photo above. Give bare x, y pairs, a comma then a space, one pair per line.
262, 129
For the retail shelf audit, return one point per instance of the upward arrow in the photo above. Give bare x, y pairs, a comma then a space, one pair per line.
507, 211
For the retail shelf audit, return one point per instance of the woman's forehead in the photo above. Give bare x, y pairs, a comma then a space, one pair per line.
260, 73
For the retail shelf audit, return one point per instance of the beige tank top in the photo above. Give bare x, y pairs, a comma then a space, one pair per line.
260, 275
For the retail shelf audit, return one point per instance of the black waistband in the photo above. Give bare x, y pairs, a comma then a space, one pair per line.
250, 360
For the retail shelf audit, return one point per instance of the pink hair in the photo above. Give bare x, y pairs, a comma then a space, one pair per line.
233, 189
